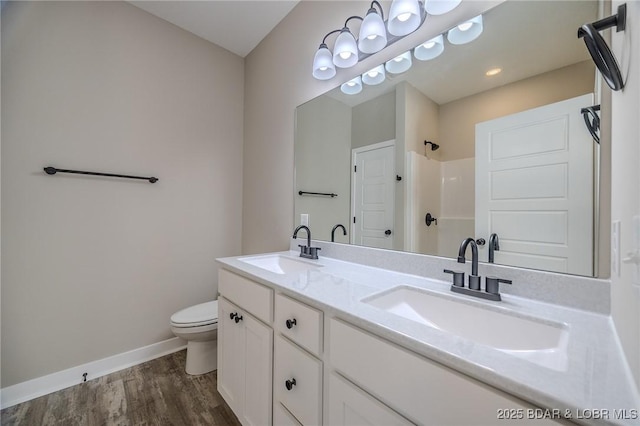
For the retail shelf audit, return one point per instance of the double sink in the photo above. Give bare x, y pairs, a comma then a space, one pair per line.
490, 324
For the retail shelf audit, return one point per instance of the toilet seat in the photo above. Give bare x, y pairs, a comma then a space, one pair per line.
196, 316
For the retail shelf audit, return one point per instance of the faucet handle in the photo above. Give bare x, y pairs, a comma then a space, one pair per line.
313, 252
458, 277
493, 284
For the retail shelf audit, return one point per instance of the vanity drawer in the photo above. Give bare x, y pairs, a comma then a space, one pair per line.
422, 390
299, 322
304, 398
249, 295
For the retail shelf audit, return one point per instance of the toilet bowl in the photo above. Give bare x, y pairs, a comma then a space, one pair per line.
198, 325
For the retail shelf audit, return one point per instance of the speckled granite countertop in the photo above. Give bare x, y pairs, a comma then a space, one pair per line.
594, 385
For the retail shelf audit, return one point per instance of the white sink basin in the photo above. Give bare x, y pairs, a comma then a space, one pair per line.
539, 341
280, 264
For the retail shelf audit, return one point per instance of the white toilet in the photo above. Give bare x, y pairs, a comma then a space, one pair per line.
198, 325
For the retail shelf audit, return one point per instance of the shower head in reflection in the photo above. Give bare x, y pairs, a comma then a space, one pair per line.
434, 146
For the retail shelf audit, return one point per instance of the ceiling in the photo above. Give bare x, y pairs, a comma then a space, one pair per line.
237, 26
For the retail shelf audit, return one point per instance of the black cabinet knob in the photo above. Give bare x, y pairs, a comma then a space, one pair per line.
290, 323
238, 318
289, 384
233, 315
387, 232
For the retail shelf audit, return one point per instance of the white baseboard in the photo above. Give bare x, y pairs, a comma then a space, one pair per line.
44, 385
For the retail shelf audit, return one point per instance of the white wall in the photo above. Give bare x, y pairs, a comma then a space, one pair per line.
93, 267
625, 180
457, 215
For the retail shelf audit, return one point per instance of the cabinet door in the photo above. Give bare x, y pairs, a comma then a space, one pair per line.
349, 405
297, 381
258, 358
282, 416
245, 355
420, 389
230, 357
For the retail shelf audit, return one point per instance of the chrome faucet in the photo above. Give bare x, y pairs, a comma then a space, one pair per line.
306, 251
494, 245
492, 284
333, 231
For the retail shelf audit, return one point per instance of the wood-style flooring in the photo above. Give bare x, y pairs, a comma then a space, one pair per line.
155, 393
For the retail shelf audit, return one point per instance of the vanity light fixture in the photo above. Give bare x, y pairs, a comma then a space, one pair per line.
440, 7
373, 33
430, 49
399, 64
466, 32
493, 71
352, 87
345, 51
374, 76
405, 17
323, 67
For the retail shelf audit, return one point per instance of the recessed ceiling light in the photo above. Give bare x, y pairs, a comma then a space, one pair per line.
493, 71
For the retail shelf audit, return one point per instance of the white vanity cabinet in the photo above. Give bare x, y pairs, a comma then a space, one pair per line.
419, 389
284, 362
297, 375
349, 405
245, 348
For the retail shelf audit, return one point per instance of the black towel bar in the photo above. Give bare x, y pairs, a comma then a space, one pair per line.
317, 193
53, 171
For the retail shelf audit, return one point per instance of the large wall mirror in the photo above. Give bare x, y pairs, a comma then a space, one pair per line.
507, 154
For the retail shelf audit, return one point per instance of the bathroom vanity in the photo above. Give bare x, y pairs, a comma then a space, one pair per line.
334, 342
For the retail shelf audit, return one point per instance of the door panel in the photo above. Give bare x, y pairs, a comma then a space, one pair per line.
374, 195
534, 187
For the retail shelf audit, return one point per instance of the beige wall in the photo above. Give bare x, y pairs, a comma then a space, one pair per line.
278, 79
421, 117
374, 121
458, 118
625, 180
93, 267
323, 164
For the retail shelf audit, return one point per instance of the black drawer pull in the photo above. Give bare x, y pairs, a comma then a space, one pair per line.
290, 323
233, 315
238, 318
289, 384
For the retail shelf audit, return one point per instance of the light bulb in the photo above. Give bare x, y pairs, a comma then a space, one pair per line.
466, 32
352, 87
399, 64
374, 76
405, 16
345, 55
465, 26
372, 37
430, 49
323, 68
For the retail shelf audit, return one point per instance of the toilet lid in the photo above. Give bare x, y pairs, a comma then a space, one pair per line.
204, 313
